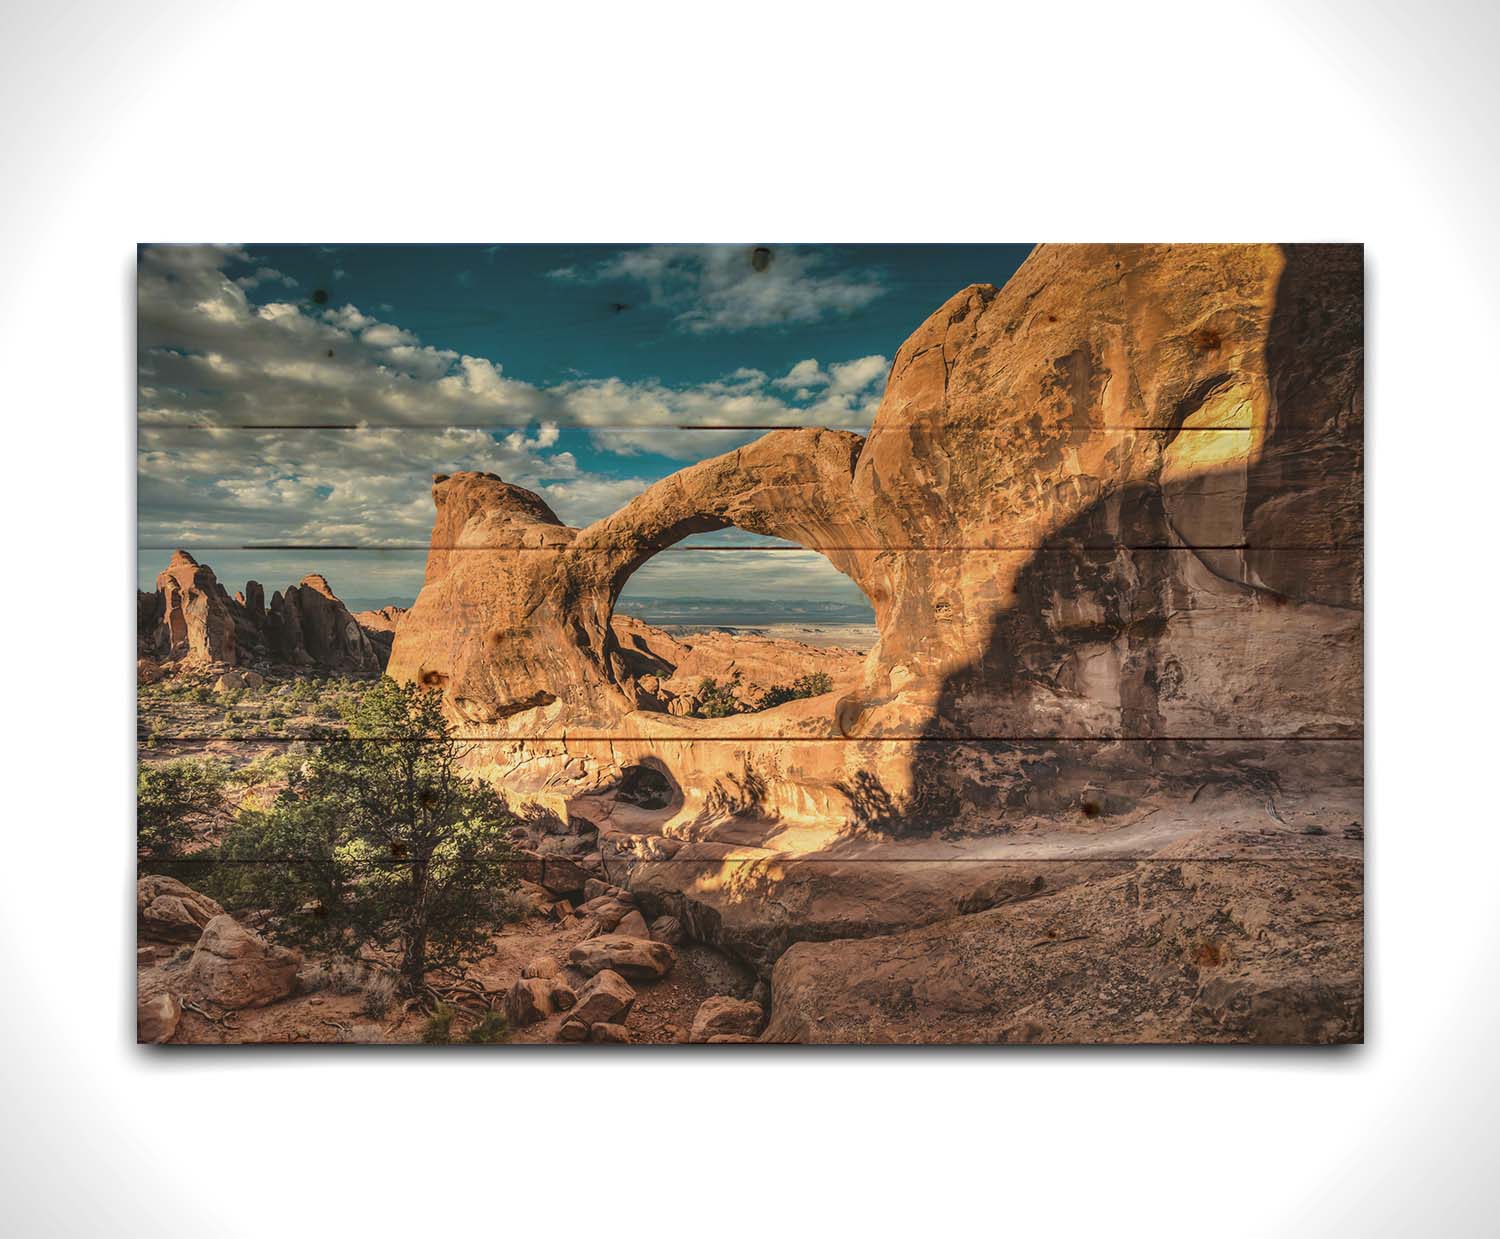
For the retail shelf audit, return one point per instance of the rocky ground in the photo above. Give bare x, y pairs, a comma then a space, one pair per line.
1224, 919
205, 977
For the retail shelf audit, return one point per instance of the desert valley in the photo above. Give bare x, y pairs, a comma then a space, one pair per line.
1089, 768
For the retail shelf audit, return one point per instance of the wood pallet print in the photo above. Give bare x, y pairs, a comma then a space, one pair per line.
750, 644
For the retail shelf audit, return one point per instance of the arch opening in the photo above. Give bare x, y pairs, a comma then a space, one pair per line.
647, 787
709, 633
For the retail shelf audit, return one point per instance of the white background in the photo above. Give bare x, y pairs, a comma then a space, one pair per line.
656, 122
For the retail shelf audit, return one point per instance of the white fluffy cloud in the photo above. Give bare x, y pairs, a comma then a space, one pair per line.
213, 366
733, 287
806, 373
208, 354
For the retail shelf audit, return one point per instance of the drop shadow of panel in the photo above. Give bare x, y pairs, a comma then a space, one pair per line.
1301, 572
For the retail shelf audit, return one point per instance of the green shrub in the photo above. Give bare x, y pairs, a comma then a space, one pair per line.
379, 993
381, 844
492, 1029
814, 684
174, 800
719, 700
438, 1030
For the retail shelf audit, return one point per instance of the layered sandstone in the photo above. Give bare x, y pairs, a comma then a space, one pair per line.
1116, 500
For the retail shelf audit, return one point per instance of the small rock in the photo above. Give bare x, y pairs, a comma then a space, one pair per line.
606, 910
730, 1039
606, 999
157, 1011
563, 997
613, 1034
562, 876
722, 1015
668, 929
573, 1030
596, 888
170, 911
633, 925
236, 968
542, 966
528, 1001
640, 959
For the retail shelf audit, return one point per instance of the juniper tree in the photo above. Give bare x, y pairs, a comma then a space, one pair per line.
379, 839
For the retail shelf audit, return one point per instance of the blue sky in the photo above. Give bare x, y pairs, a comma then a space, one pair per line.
565, 369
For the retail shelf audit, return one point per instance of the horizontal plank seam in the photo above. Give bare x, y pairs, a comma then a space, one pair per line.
864, 432
813, 860
592, 544
162, 737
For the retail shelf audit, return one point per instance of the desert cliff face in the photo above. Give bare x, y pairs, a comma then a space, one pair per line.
1117, 499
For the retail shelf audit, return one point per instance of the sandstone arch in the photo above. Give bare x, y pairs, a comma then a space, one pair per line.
1188, 398
515, 608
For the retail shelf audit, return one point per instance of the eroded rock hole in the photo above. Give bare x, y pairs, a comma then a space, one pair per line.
645, 787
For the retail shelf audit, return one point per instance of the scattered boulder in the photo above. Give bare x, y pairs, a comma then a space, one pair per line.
732, 1039
722, 1015
236, 680
157, 1010
633, 925
606, 999
573, 1030
528, 1001
668, 929
542, 966
563, 997
535, 894
611, 1034
606, 911
563, 876
171, 911
233, 967
596, 888
640, 959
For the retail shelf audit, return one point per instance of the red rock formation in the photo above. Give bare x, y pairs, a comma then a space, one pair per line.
1117, 498
380, 627
309, 626
193, 617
